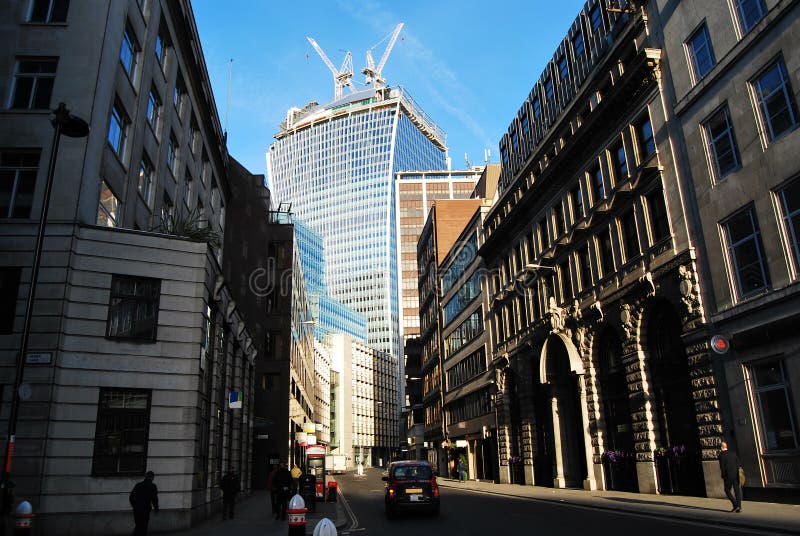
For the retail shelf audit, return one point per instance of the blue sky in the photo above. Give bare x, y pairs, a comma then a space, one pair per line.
469, 64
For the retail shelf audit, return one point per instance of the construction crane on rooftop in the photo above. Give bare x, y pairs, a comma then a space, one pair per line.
341, 77
373, 73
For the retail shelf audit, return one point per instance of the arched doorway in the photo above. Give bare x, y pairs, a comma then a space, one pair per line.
678, 453
562, 369
619, 463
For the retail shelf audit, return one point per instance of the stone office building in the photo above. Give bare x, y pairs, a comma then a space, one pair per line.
597, 328
136, 342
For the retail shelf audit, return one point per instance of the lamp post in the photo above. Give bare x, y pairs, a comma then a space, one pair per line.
74, 127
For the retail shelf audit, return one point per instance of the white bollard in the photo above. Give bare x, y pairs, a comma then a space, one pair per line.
325, 528
360, 469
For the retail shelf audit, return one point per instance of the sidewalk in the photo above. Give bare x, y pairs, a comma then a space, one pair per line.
756, 516
253, 517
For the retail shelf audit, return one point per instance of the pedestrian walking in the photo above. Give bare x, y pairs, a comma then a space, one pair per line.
273, 492
729, 469
282, 481
462, 470
143, 496
230, 488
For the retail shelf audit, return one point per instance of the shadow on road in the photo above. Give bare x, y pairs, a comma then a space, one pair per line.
661, 503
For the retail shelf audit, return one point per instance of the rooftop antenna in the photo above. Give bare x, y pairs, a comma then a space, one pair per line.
487, 155
341, 77
373, 73
228, 104
466, 159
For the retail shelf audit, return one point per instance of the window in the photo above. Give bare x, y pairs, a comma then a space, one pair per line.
153, 109
118, 126
33, 83
18, 171
774, 406
563, 70
746, 253
775, 102
644, 135
194, 137
596, 17
206, 168
606, 253
577, 45
188, 191
566, 281
577, 203
162, 43
544, 233
789, 199
129, 52
48, 11
750, 12
561, 223
167, 209
620, 162
598, 190
9, 289
722, 149
525, 125
177, 93
659, 221
548, 88
700, 52
146, 180
584, 255
630, 235
201, 215
514, 140
133, 308
172, 154
121, 434
504, 154
108, 208
537, 108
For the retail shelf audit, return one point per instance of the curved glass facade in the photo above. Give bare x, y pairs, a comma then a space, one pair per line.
335, 164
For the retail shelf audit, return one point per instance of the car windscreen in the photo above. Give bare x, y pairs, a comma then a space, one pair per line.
412, 472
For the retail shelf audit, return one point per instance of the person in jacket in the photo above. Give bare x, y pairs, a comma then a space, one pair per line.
230, 488
143, 495
273, 492
282, 481
729, 469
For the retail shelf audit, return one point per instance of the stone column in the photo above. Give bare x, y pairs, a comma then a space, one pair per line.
560, 481
641, 416
590, 483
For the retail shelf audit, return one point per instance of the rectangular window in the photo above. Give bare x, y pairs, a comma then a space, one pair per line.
577, 45
548, 88
172, 155
18, 171
620, 162
630, 235
566, 281
153, 109
118, 125
606, 253
596, 17
578, 210
563, 68
789, 199
201, 215
133, 308
188, 191
9, 289
177, 93
537, 108
750, 12
544, 233
514, 141
48, 11
659, 221
146, 176
162, 43
108, 208
585, 255
746, 253
504, 154
33, 83
722, 149
194, 137
561, 223
121, 433
525, 125
167, 210
700, 52
775, 99
773, 403
129, 52
644, 135
598, 189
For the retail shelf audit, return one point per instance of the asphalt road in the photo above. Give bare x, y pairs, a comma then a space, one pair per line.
465, 512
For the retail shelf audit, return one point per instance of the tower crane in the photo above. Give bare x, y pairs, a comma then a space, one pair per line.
341, 77
372, 72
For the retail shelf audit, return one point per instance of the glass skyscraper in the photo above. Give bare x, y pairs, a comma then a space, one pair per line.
336, 165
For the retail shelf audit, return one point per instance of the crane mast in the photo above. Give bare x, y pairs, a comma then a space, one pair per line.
341, 77
373, 73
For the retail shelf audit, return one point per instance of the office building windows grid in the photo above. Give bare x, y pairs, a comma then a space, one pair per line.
745, 253
723, 152
33, 83
776, 104
18, 171
700, 52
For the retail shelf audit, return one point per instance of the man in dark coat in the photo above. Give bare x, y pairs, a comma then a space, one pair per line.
230, 488
143, 495
282, 481
729, 468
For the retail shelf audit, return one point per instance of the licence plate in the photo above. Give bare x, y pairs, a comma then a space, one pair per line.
415, 498
414, 490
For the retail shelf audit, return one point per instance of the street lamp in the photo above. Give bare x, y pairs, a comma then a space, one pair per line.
74, 127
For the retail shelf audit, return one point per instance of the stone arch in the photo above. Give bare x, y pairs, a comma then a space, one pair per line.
575, 362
